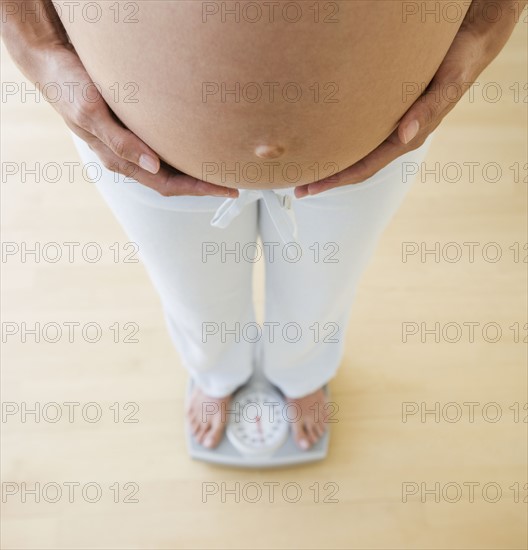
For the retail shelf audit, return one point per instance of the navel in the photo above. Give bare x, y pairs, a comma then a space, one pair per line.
269, 151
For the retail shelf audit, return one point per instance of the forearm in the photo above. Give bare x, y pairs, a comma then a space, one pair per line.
493, 22
29, 27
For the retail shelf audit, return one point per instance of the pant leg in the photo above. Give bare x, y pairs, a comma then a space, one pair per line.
200, 291
311, 298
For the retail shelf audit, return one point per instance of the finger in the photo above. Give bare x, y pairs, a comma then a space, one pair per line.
193, 186
96, 118
148, 170
182, 184
365, 168
166, 182
443, 93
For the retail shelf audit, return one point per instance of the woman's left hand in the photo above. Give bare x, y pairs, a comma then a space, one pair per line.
478, 41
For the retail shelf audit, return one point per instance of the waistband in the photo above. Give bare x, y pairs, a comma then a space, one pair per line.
279, 207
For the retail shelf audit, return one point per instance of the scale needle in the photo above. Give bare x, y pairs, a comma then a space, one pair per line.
260, 429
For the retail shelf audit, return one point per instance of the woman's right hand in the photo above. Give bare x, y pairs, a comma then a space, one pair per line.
40, 48
87, 114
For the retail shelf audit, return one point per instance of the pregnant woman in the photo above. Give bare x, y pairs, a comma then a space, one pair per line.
218, 122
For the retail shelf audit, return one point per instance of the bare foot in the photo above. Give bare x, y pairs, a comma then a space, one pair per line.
309, 426
207, 417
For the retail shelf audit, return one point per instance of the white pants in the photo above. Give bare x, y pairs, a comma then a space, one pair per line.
200, 251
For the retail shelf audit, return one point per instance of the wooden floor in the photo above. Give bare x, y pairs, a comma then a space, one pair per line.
374, 458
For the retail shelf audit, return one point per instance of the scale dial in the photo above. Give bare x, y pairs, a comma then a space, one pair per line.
257, 424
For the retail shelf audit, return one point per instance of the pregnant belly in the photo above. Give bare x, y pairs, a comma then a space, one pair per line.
261, 94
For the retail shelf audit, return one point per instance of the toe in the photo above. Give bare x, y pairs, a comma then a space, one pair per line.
213, 436
317, 431
201, 431
320, 427
206, 437
300, 437
195, 425
310, 432
191, 418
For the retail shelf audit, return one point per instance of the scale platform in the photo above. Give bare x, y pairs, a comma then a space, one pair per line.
259, 434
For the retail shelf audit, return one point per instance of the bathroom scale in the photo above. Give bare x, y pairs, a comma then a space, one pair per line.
258, 432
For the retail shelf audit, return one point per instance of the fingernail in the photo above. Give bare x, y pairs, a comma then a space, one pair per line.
410, 133
222, 193
208, 441
304, 444
148, 163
